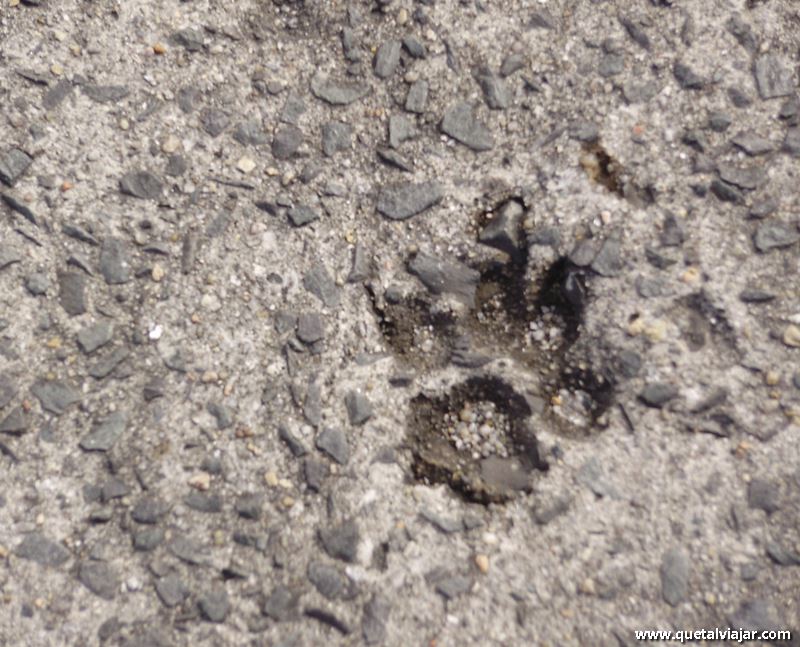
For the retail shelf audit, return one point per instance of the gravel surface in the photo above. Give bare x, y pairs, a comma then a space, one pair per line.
398, 322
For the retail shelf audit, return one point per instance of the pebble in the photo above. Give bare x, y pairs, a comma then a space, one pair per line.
94, 336
686, 77
115, 262
37, 283
675, 570
214, 121
334, 443
417, 97
250, 133
141, 184
387, 58
189, 38
495, 90
773, 77
330, 581
445, 277
752, 143
504, 231
42, 550
320, 283
100, 578
657, 394
774, 235
401, 129
359, 408
250, 506
414, 47
764, 495
105, 433
336, 93
341, 541
55, 396
460, 123
402, 201
214, 604
13, 164
336, 136
171, 590
106, 93
286, 142
302, 215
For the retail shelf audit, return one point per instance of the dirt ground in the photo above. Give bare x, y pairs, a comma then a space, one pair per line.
393, 322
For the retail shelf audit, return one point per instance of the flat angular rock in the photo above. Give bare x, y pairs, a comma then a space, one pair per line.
402, 201
20, 207
453, 585
38, 548
742, 177
773, 77
686, 77
337, 93
280, 604
214, 121
106, 93
149, 510
393, 158
15, 423
214, 605
106, 433
387, 58
336, 136
674, 573
141, 184
115, 261
460, 123
188, 550
774, 235
94, 336
171, 590
374, 619
293, 109
310, 327
99, 578
190, 39
359, 408
417, 97
105, 365
441, 276
752, 144
286, 141
320, 283
334, 443
495, 90
249, 506
791, 144
341, 542
54, 396
764, 495
608, 261
13, 164
726, 192
302, 215
330, 581
250, 133
400, 129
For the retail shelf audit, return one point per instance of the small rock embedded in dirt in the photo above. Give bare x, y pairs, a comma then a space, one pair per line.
441, 277
106, 93
341, 541
190, 39
495, 90
608, 261
171, 590
38, 548
320, 283
336, 93
106, 433
504, 230
387, 58
100, 578
402, 201
658, 394
250, 133
773, 77
280, 604
334, 443
359, 408
373, 622
460, 123
774, 235
752, 143
400, 129
214, 604
310, 327
141, 184
686, 77
417, 97
115, 263
94, 336
13, 164
764, 495
302, 215
330, 581
37, 283
54, 396
149, 510
286, 141
675, 567
336, 136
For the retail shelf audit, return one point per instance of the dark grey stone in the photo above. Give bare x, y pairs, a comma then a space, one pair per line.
106, 93
495, 90
188, 550
773, 77
373, 621
359, 408
214, 121
176, 165
608, 261
686, 77
417, 97
719, 121
329, 618
739, 98
675, 568
320, 283
393, 158
171, 590
774, 235
782, 555
147, 539
114, 488
791, 144
460, 124
149, 510
54, 396
293, 109
115, 261
249, 506
310, 327
726, 192
336, 136
441, 276
37, 283
336, 93
141, 184
280, 604
16, 422
302, 215
755, 295
402, 201
100, 578
334, 443
763, 208
105, 433
189, 38
315, 473
453, 585
743, 32
330, 581
203, 502
286, 141
13, 164
21, 208
106, 364
341, 541
657, 394
752, 144
221, 413
56, 94
414, 47
294, 444
511, 63
764, 495
636, 31
671, 232
628, 363
744, 178
250, 133
400, 129
38, 548
542, 19
214, 604
387, 58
